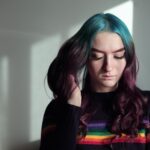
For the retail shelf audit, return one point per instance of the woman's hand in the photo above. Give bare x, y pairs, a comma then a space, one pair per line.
75, 98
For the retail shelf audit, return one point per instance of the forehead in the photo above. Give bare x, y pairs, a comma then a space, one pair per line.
107, 41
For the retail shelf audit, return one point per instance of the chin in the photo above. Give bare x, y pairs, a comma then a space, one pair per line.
109, 84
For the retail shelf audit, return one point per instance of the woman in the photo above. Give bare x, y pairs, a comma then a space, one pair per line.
111, 112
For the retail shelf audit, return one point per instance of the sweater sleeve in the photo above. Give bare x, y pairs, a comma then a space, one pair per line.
60, 125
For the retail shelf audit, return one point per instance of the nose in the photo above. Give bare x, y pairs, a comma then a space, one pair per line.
108, 64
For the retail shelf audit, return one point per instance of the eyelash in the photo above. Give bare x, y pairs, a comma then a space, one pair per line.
98, 58
93, 56
119, 57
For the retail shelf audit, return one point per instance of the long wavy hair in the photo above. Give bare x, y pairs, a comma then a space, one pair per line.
72, 59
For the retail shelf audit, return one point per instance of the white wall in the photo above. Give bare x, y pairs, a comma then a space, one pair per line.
31, 31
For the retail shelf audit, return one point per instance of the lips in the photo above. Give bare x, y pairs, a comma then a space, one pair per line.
108, 77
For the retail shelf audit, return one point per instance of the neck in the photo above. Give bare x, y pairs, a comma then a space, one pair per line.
103, 89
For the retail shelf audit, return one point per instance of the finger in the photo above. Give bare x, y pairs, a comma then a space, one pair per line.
73, 83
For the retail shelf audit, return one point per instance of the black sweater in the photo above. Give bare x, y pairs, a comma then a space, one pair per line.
61, 123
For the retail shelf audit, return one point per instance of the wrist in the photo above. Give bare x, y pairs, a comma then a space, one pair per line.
74, 102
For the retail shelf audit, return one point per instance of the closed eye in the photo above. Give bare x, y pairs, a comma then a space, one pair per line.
95, 56
119, 55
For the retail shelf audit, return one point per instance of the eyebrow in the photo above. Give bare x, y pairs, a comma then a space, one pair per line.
101, 51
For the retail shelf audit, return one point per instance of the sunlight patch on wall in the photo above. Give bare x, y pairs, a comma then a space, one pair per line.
42, 53
4, 72
4, 87
125, 12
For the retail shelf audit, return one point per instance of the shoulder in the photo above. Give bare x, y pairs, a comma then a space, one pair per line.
59, 107
53, 107
51, 113
146, 95
147, 110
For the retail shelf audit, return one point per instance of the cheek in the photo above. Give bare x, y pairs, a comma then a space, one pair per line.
121, 67
94, 67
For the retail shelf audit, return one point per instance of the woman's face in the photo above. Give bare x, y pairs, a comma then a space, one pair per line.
107, 62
